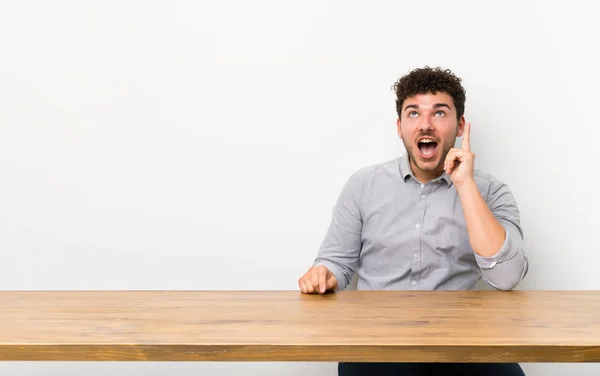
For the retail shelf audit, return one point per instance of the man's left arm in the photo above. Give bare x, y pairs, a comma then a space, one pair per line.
495, 233
493, 223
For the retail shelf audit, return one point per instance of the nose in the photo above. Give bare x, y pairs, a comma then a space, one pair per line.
425, 125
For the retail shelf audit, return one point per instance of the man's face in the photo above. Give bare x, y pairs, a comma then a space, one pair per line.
428, 128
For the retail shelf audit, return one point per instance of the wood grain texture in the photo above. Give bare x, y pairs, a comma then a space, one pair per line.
429, 326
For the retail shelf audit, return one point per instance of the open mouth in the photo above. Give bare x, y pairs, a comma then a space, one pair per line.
427, 147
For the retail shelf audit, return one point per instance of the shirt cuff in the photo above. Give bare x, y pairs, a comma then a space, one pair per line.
507, 251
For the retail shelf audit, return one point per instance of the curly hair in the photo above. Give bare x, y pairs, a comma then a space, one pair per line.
430, 80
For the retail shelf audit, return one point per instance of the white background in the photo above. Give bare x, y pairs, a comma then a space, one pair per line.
201, 145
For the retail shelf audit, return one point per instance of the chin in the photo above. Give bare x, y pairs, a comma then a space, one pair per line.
425, 164
428, 165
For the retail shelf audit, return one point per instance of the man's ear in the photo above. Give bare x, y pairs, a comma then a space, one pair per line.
461, 126
399, 129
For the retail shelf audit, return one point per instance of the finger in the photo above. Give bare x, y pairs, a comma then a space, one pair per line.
459, 155
466, 141
314, 279
449, 161
454, 156
449, 166
322, 280
302, 286
309, 286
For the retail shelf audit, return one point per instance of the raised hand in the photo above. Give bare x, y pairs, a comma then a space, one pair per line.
459, 163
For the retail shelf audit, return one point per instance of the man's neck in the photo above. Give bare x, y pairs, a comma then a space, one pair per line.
425, 176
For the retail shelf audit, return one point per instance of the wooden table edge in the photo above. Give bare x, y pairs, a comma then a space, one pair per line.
299, 353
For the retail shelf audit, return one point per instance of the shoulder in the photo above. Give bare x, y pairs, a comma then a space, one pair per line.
387, 168
492, 188
366, 176
484, 178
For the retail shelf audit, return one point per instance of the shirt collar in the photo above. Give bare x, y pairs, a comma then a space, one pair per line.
406, 171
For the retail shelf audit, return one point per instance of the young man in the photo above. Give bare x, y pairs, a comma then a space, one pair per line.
425, 221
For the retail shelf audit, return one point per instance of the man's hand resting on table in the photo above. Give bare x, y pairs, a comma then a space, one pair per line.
317, 280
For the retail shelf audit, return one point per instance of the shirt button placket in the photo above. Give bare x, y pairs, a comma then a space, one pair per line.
416, 268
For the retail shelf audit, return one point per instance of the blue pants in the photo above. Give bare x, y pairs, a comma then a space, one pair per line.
429, 369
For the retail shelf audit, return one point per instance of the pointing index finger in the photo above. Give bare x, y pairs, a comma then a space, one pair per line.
466, 141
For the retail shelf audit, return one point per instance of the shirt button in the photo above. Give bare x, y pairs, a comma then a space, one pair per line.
414, 283
422, 196
417, 225
416, 255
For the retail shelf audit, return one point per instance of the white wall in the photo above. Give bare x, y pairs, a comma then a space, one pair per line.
201, 145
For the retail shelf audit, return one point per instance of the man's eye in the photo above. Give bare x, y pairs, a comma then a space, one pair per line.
412, 114
440, 113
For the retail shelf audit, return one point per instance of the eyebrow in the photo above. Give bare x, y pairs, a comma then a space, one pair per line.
416, 106
438, 105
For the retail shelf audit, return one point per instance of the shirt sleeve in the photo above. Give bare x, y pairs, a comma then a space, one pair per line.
507, 268
341, 247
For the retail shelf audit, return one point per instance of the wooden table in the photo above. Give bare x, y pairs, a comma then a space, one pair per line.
430, 326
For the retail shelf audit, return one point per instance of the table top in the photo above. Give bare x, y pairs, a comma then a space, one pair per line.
429, 326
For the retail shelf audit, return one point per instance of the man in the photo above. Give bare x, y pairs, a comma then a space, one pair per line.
425, 221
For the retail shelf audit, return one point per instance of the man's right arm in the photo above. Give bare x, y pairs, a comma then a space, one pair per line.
338, 255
